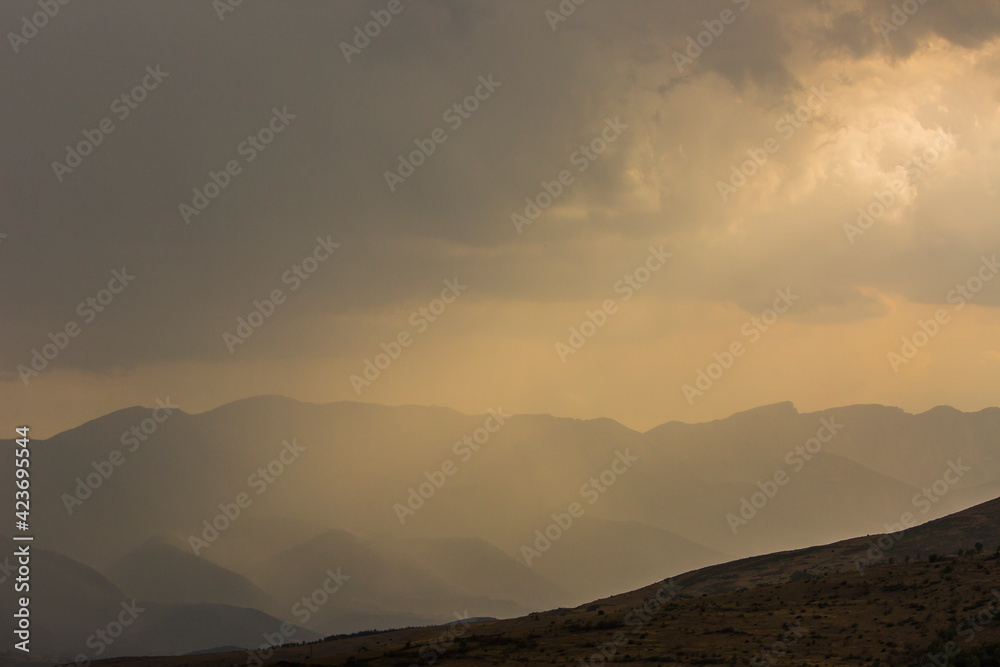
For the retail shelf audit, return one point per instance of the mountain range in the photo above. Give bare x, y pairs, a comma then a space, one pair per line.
380, 517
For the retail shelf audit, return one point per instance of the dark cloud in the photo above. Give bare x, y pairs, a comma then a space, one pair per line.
323, 175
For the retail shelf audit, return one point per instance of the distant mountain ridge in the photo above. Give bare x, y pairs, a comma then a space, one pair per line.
666, 515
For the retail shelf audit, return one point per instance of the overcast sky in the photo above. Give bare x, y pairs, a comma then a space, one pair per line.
821, 108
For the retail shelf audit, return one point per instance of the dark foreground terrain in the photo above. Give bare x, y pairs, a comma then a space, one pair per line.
928, 592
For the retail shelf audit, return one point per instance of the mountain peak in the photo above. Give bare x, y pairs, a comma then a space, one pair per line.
782, 408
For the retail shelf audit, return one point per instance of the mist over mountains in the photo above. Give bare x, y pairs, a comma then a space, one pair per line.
925, 596
439, 224
348, 516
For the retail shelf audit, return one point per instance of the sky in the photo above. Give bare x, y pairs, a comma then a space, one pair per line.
647, 211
